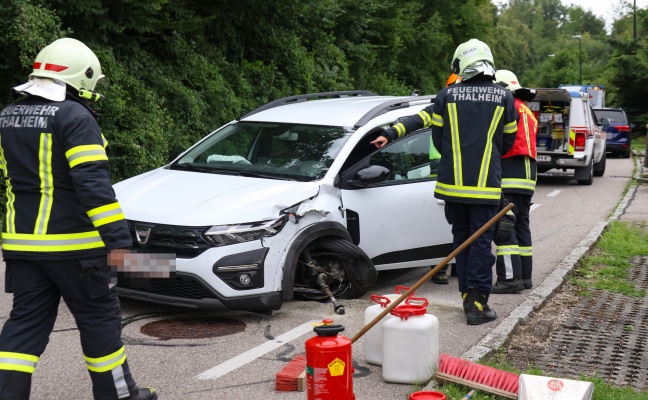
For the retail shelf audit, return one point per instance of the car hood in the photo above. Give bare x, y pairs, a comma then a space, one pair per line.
173, 197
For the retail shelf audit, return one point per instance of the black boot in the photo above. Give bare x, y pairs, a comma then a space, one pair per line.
464, 296
478, 310
527, 283
508, 286
440, 277
144, 393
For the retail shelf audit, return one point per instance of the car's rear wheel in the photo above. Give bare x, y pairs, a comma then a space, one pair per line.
337, 263
599, 167
588, 174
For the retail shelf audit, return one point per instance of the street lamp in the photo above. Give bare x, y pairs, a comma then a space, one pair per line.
580, 57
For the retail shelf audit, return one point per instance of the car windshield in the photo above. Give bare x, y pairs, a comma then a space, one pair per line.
614, 116
267, 150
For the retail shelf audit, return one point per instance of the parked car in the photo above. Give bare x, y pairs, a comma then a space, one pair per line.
618, 131
569, 137
289, 200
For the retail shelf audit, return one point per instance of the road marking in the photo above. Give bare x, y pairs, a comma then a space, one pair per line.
534, 206
554, 193
252, 354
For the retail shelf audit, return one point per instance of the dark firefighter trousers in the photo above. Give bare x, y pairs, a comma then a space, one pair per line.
523, 230
474, 265
37, 288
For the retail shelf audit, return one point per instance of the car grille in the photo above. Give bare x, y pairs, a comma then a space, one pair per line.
181, 286
184, 241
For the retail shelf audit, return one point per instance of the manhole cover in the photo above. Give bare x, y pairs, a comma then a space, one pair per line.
192, 328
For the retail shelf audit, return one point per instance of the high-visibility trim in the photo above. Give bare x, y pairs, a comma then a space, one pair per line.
468, 191
51, 242
18, 362
488, 150
527, 167
106, 214
106, 363
427, 120
518, 183
104, 140
527, 135
572, 142
456, 144
437, 120
511, 127
400, 129
55, 67
85, 153
507, 250
46, 183
526, 251
10, 212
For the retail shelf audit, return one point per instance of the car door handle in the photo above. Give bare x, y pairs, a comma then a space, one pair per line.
441, 202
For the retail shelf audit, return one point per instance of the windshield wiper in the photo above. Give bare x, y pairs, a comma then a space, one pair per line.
253, 174
188, 167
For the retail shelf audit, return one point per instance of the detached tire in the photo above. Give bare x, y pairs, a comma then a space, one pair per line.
331, 254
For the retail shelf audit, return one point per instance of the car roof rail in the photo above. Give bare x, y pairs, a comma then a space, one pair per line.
303, 97
391, 105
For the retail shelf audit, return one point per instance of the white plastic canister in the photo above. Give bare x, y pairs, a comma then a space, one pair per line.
373, 338
410, 345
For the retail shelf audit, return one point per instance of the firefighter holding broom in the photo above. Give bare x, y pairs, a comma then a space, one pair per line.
473, 124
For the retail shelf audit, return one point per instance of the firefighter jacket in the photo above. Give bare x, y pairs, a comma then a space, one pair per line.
518, 164
60, 202
473, 125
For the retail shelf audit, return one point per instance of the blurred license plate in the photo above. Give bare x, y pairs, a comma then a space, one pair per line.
543, 158
608, 135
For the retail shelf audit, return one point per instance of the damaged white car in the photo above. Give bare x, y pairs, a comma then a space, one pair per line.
290, 200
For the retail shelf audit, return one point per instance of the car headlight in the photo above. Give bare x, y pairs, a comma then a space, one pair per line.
223, 235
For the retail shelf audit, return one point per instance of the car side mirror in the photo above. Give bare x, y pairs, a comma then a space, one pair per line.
605, 122
369, 175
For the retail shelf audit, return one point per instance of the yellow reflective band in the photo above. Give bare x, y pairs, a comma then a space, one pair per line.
526, 251
10, 213
511, 127
527, 167
572, 142
46, 183
474, 192
106, 363
106, 214
51, 242
518, 183
437, 120
85, 153
525, 117
507, 250
488, 150
18, 362
456, 144
400, 129
427, 120
105, 141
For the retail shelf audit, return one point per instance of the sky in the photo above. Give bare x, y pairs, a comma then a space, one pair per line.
604, 8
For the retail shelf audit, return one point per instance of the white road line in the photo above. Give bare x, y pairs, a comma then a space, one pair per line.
554, 193
534, 206
252, 354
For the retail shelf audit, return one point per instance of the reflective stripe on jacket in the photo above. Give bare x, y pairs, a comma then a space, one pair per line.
519, 173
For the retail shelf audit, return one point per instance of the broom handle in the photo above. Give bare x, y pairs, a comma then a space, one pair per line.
433, 271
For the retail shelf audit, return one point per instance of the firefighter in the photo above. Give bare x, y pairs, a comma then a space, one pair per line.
519, 177
473, 124
62, 219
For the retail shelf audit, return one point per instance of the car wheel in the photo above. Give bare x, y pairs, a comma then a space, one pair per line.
627, 153
599, 167
340, 264
590, 174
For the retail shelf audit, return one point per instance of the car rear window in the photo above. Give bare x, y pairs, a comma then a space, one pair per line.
615, 116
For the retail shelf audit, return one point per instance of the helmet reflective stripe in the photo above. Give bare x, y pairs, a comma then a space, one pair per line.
18, 362
86, 153
69, 61
51, 242
507, 79
468, 191
106, 214
468, 53
106, 363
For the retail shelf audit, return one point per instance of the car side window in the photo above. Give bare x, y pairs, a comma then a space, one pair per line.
407, 158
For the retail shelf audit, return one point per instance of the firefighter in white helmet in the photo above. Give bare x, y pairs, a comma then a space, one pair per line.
519, 175
62, 219
473, 124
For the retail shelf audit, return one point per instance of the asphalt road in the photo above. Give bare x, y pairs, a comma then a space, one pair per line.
243, 365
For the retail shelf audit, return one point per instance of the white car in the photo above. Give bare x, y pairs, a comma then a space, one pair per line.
290, 200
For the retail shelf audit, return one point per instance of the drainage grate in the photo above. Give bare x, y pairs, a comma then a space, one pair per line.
192, 328
604, 335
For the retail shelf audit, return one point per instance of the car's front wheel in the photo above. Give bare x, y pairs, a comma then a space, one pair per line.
336, 263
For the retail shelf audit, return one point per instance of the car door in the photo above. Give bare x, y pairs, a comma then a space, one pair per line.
398, 222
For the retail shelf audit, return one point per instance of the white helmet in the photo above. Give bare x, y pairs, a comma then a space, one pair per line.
69, 61
507, 79
474, 54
